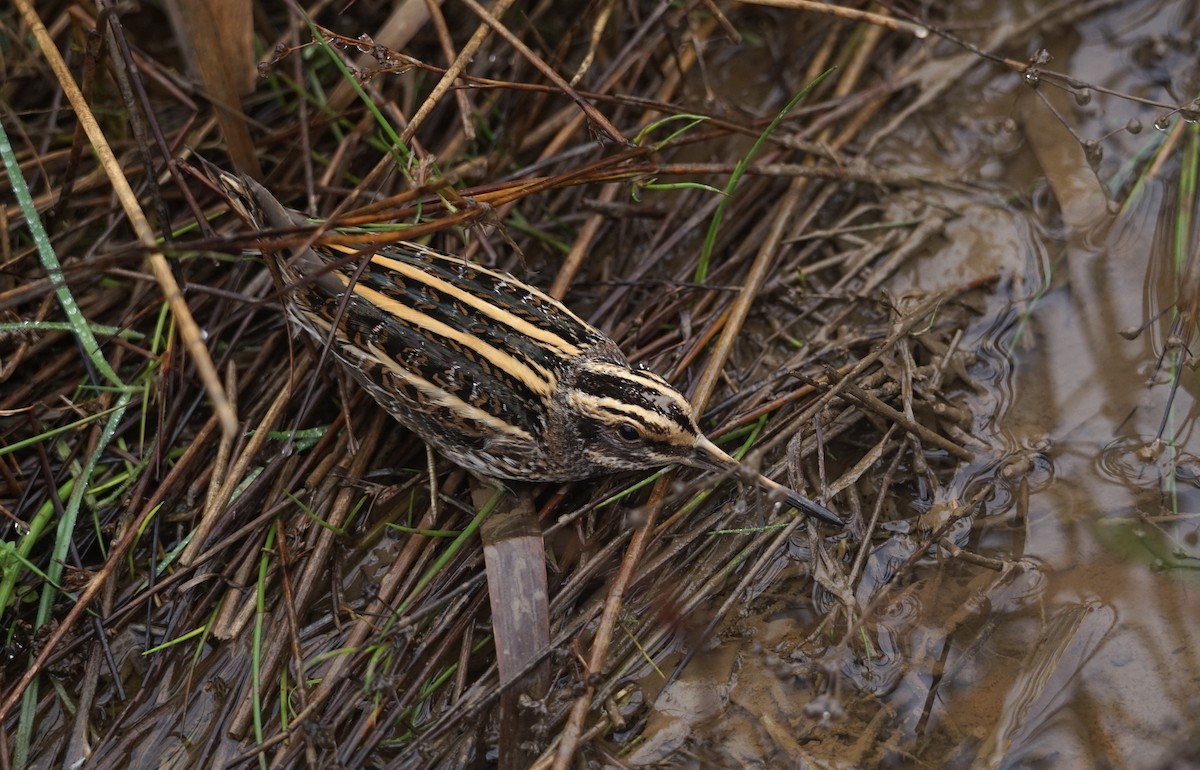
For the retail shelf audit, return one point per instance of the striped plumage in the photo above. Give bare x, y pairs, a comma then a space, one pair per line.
496, 375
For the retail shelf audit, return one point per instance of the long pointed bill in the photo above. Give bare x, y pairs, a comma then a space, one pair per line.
709, 455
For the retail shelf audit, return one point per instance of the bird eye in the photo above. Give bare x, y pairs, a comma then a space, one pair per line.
627, 432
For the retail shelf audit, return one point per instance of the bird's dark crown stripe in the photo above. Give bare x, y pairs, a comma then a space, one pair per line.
632, 388
614, 411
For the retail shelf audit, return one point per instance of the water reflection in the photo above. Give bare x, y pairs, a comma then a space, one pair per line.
1053, 624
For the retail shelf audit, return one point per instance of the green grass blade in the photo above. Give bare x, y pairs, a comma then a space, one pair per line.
710, 239
50, 262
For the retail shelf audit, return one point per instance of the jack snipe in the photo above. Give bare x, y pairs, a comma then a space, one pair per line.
496, 375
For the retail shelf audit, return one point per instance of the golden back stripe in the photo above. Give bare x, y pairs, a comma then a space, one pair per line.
437, 395
482, 304
441, 397
541, 382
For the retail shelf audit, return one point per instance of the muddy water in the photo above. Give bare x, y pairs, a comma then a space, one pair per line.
1077, 647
